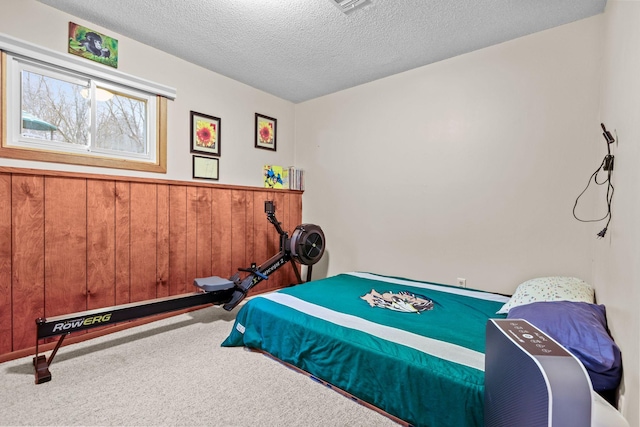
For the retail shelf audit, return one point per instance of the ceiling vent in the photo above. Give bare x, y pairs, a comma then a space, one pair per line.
347, 6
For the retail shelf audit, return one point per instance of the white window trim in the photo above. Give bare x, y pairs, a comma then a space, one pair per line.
28, 50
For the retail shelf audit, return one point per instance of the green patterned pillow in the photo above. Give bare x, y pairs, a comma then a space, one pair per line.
555, 288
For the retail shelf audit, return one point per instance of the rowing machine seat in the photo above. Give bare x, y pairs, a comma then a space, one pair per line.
213, 284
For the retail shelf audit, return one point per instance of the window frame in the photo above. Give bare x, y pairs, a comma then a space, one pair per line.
13, 47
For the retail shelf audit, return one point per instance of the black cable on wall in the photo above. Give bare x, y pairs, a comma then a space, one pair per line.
605, 166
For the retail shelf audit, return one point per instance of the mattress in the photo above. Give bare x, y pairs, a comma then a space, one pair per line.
413, 349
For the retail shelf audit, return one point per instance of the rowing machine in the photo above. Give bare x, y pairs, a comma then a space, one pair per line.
306, 246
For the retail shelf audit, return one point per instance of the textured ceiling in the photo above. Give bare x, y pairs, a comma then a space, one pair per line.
302, 49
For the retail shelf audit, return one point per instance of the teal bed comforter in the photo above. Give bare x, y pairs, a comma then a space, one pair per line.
413, 349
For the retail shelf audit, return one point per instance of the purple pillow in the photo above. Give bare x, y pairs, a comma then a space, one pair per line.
582, 329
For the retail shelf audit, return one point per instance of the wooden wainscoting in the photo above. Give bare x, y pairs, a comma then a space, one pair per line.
73, 242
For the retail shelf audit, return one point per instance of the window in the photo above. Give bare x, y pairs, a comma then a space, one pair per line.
70, 113
59, 111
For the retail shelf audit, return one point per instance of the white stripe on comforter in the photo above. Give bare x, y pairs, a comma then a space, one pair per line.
459, 291
441, 349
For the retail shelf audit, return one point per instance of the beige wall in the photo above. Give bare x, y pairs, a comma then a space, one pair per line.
464, 168
616, 265
197, 89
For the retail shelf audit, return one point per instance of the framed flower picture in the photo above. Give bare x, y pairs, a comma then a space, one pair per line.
265, 132
205, 134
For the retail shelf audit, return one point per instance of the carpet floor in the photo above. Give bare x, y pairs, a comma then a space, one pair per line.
172, 372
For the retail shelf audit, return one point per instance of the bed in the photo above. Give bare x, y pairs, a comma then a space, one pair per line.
413, 349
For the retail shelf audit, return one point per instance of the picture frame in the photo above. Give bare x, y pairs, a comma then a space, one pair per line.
205, 134
266, 132
206, 168
90, 44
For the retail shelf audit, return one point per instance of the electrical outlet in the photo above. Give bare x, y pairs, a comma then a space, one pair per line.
462, 282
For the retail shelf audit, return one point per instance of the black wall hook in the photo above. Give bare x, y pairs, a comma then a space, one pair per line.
607, 135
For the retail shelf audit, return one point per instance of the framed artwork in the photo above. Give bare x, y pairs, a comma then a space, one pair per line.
206, 167
265, 132
205, 134
93, 45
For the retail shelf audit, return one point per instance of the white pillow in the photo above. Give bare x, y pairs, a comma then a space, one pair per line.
556, 288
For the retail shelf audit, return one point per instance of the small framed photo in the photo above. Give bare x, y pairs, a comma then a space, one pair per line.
93, 45
205, 134
206, 167
266, 132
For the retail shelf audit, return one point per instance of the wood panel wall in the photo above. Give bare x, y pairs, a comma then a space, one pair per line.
72, 242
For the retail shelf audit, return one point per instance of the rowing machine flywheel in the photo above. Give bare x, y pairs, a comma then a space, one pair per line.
307, 244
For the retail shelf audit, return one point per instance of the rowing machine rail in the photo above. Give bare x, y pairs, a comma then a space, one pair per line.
308, 247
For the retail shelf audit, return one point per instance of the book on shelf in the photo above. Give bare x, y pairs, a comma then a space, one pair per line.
288, 178
296, 178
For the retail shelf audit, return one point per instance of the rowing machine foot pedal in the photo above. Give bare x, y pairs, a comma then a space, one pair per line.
213, 284
254, 270
238, 295
42, 369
